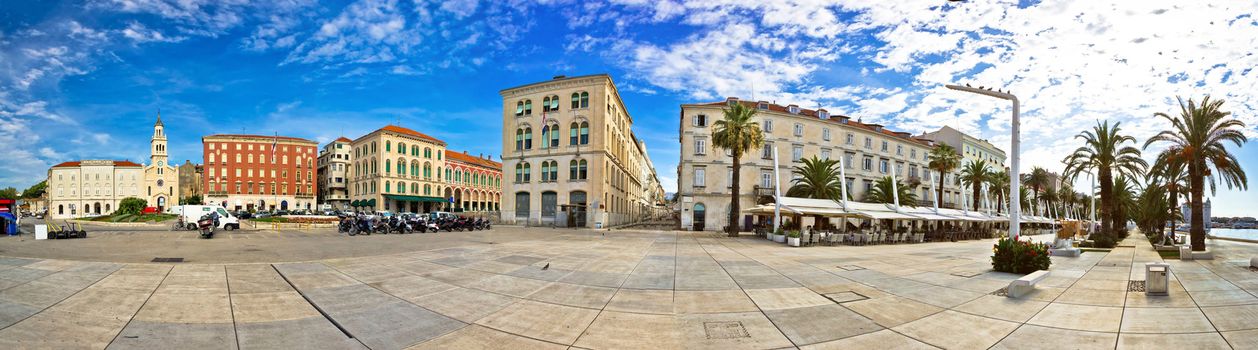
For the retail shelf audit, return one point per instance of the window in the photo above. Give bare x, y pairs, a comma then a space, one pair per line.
528, 107
577, 170
762, 105
766, 179
799, 129
913, 153
549, 199
869, 143
768, 151
401, 148
768, 125
825, 154
386, 146
701, 147
585, 133
825, 134
545, 136
699, 178
882, 166
528, 138
554, 135
797, 153
585, 99
528, 172
793, 109
899, 150
386, 166
847, 160
869, 164
700, 120
850, 138
884, 146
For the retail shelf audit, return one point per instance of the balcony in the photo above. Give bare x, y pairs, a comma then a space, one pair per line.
764, 195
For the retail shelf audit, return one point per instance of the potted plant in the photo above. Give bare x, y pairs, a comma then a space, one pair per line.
792, 238
779, 237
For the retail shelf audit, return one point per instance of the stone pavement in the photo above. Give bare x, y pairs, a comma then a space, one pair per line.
632, 290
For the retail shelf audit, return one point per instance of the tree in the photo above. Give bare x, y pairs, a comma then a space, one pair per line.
1105, 152
882, 193
1169, 172
1199, 137
975, 174
1038, 180
998, 182
737, 133
1065, 197
194, 199
8, 193
131, 205
1152, 210
943, 159
817, 178
36, 190
1124, 203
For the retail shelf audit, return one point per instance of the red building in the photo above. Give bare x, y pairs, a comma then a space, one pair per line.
257, 172
475, 182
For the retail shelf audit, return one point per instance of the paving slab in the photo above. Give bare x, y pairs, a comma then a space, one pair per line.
52, 329
1032, 337
412, 287
1096, 297
638, 280
464, 304
892, 311
1241, 339
476, 337
548, 322
271, 307
1171, 299
1224, 297
141, 334
102, 301
1080, 317
394, 325
186, 308
620, 330
596, 279
943, 330
1004, 308
1233, 318
255, 278
11, 312
642, 301
519, 287
716, 301
786, 298
816, 324
574, 295
306, 333
1165, 320
884, 339
731, 330
941, 296
1195, 341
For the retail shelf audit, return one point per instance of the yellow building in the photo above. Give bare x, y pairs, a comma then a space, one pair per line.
398, 170
161, 180
570, 157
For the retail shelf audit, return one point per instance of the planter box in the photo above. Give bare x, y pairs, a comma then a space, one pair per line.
794, 242
779, 238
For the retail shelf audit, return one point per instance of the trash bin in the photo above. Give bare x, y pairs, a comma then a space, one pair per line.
1156, 276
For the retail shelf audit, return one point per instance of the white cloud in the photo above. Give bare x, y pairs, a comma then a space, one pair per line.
141, 34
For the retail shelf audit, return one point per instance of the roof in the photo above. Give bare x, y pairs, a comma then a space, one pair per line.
609, 77
342, 139
405, 131
465, 158
875, 128
258, 137
116, 163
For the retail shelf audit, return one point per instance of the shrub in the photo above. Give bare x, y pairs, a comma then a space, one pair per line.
792, 234
1019, 256
1103, 240
131, 205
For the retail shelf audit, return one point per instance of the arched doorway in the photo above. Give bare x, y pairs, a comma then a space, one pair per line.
161, 203
96, 208
283, 205
576, 201
700, 214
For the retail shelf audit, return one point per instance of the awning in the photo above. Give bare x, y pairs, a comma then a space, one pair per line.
960, 215
803, 206
888, 215
929, 214
370, 203
415, 198
356, 203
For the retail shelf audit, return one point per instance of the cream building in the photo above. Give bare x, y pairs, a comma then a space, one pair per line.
970, 148
161, 180
399, 170
570, 157
334, 162
868, 152
92, 187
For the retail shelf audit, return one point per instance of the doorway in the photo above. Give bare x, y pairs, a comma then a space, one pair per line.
700, 214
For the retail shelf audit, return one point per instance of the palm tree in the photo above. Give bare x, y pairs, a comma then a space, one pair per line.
1066, 196
737, 133
1037, 180
1198, 137
1124, 202
817, 178
1104, 151
882, 191
943, 159
1170, 173
998, 181
975, 174
1152, 210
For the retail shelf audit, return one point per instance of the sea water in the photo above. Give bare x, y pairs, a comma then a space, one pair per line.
1235, 233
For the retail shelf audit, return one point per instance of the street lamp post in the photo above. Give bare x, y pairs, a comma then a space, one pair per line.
1015, 213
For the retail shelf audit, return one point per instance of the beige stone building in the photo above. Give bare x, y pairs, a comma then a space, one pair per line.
161, 180
570, 156
92, 187
970, 147
868, 152
190, 181
398, 170
334, 162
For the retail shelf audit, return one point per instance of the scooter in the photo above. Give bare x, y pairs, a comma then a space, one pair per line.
359, 225
400, 225
206, 224
380, 226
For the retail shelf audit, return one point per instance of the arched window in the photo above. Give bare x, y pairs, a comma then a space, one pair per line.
546, 104
519, 108
545, 136
387, 168
387, 146
572, 133
427, 170
519, 172
528, 138
427, 189
401, 148
585, 99
528, 172
554, 102
554, 135
386, 187
585, 133
401, 166
528, 107
519, 139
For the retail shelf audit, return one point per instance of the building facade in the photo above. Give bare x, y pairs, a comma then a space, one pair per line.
256, 172
161, 180
970, 148
571, 156
92, 187
868, 152
475, 182
190, 181
334, 162
398, 170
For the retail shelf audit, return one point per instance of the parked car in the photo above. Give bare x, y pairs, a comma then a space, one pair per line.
261, 215
280, 213
243, 214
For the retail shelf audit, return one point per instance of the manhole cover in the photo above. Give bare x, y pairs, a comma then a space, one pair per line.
1003, 292
843, 297
725, 330
1135, 286
167, 260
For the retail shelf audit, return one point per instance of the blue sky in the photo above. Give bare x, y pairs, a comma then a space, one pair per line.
82, 80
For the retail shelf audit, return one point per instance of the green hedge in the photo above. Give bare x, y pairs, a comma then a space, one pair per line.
1019, 256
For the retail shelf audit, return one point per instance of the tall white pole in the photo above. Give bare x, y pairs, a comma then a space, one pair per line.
964, 191
895, 189
1092, 195
1014, 179
777, 192
843, 183
934, 192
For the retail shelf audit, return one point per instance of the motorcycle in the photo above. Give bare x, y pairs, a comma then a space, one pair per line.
206, 225
360, 225
400, 225
380, 226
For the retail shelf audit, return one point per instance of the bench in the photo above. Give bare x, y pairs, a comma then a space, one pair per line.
1026, 284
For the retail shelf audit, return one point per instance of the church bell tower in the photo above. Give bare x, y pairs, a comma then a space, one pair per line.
158, 148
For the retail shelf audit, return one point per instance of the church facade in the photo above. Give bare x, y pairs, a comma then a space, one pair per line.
161, 180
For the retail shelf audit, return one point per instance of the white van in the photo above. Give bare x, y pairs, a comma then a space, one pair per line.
192, 213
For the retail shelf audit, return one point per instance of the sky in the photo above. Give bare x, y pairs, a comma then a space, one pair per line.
86, 79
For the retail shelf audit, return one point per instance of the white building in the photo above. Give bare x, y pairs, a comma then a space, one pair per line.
91, 187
